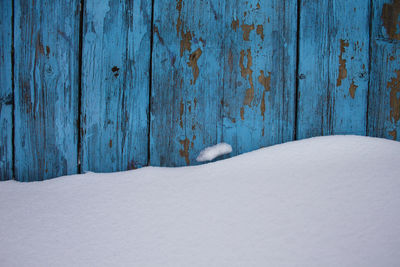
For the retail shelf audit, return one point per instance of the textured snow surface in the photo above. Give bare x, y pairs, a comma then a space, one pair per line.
212, 152
330, 201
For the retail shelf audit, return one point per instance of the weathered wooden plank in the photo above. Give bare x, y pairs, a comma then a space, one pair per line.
6, 97
384, 92
115, 84
333, 67
222, 71
46, 88
186, 83
259, 77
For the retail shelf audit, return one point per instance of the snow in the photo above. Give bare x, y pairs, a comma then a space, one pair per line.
329, 201
213, 152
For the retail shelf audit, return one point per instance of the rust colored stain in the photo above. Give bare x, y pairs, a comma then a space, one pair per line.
246, 31
266, 82
185, 151
394, 85
392, 58
235, 24
193, 58
258, 6
110, 143
389, 17
393, 134
179, 21
242, 113
186, 41
178, 24
260, 31
247, 72
182, 108
342, 62
179, 5
158, 35
249, 96
186, 37
352, 89
115, 69
47, 50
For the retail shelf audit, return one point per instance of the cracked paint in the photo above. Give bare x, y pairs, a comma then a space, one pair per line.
247, 72
342, 63
193, 58
394, 85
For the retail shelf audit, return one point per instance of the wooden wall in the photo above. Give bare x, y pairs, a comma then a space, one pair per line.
111, 85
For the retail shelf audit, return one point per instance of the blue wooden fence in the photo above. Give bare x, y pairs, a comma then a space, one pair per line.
110, 85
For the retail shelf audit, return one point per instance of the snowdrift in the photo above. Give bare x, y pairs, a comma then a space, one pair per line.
328, 201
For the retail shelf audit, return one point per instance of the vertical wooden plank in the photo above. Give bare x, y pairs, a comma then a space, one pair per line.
333, 67
384, 92
222, 71
46, 88
259, 78
6, 97
187, 79
115, 84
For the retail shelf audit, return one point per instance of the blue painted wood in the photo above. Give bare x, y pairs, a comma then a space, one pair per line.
187, 80
259, 75
384, 93
46, 88
333, 67
115, 84
222, 71
6, 97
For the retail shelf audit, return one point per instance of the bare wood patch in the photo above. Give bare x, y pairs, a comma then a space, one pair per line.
394, 85
266, 82
352, 89
342, 63
185, 151
247, 73
193, 58
389, 17
246, 31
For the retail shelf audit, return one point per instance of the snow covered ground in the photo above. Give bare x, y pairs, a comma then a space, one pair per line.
330, 201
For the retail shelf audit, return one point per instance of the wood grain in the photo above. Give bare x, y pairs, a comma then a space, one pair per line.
6, 96
217, 71
186, 82
46, 88
384, 93
333, 67
115, 85
222, 71
259, 75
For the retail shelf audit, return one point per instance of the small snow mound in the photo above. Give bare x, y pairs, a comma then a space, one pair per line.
212, 152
